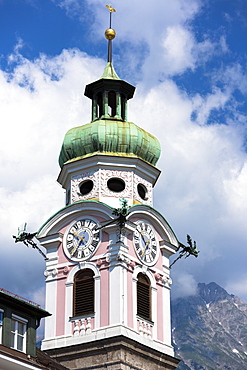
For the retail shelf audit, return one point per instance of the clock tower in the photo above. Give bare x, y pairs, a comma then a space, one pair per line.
107, 270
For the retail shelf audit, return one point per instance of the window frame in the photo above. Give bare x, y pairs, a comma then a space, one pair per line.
143, 289
76, 293
17, 319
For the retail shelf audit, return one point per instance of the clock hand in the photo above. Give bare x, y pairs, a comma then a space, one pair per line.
144, 249
142, 235
73, 250
77, 245
146, 242
79, 236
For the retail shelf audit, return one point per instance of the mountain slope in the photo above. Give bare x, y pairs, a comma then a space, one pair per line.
210, 330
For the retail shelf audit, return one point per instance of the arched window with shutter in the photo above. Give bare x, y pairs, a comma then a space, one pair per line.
83, 293
144, 297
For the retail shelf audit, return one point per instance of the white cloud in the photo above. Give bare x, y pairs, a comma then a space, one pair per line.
72, 7
233, 77
184, 286
39, 100
204, 105
223, 44
177, 45
181, 51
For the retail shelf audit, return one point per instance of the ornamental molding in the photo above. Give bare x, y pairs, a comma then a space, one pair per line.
119, 257
99, 262
148, 186
158, 277
78, 179
51, 273
102, 263
118, 253
66, 270
167, 281
144, 269
80, 266
126, 176
122, 258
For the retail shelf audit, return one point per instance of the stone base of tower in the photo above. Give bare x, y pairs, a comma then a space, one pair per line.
114, 353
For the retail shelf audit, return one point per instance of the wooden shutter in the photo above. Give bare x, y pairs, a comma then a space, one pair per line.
143, 297
84, 293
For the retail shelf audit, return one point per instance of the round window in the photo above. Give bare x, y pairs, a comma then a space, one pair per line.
85, 187
142, 191
116, 184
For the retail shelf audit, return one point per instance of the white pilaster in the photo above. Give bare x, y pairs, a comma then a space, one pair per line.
68, 307
167, 316
118, 260
51, 306
154, 310
97, 301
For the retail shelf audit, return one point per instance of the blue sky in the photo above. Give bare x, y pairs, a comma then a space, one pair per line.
188, 61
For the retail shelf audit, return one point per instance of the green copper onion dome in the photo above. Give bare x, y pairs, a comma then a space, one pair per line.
109, 137
109, 132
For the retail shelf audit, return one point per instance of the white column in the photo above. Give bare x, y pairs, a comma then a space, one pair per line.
167, 316
68, 307
115, 295
134, 298
154, 311
97, 301
50, 306
118, 259
125, 297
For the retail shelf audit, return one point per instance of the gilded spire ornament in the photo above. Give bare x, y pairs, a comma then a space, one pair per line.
111, 9
110, 33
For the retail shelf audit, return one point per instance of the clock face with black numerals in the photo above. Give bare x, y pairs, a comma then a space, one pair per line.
81, 240
145, 243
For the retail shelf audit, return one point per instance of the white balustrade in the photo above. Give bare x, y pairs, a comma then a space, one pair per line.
144, 328
81, 326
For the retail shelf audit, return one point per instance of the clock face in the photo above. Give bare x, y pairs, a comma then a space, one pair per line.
145, 243
82, 240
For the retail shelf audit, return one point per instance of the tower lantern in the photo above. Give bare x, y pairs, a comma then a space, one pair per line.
107, 270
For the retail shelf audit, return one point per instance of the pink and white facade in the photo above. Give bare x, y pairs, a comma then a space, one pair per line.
115, 262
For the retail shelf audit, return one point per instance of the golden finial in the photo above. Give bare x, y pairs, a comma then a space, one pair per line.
111, 9
110, 33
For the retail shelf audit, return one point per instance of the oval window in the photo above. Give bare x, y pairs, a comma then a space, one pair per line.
116, 184
85, 187
142, 191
